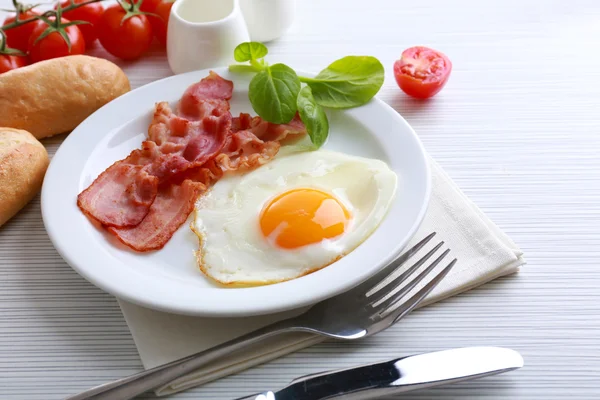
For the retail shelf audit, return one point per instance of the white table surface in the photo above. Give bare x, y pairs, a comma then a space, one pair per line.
517, 127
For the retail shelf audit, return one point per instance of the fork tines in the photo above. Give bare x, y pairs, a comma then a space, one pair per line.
386, 289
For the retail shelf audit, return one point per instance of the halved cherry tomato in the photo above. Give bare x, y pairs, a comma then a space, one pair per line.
53, 45
10, 62
18, 38
124, 38
160, 23
89, 13
422, 72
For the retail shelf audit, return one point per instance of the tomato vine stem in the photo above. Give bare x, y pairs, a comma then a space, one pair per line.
18, 22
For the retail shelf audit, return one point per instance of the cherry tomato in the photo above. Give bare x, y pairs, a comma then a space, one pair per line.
18, 38
160, 23
422, 72
127, 39
145, 5
9, 62
149, 5
89, 13
53, 45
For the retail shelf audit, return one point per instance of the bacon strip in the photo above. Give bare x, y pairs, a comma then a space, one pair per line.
268, 131
207, 97
190, 145
123, 192
121, 196
245, 151
146, 197
168, 212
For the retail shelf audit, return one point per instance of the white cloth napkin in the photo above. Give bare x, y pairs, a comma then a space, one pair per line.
484, 253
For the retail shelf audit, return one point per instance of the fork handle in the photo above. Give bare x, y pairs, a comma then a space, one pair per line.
134, 385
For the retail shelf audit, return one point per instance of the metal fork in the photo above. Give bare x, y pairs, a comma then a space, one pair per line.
365, 310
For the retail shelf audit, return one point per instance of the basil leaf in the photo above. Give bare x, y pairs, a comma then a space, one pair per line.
248, 51
348, 82
313, 116
273, 93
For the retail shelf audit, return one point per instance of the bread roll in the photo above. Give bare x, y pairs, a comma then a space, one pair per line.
54, 96
23, 163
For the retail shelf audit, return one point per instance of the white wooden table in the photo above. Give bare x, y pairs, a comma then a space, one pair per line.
518, 128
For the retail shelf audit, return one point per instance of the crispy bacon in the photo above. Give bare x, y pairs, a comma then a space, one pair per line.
190, 145
168, 212
255, 141
146, 197
244, 151
210, 96
124, 193
175, 144
268, 131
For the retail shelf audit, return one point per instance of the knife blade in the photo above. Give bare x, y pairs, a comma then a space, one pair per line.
398, 375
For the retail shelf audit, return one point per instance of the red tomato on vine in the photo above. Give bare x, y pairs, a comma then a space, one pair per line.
18, 38
55, 38
9, 62
160, 22
124, 31
90, 13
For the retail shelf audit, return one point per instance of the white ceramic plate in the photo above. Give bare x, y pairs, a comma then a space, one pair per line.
169, 279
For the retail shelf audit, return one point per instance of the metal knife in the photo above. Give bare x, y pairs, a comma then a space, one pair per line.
398, 375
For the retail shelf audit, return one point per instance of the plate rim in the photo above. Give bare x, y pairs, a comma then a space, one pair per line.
47, 201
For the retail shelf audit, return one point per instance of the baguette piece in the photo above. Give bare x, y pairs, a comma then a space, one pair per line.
23, 163
54, 96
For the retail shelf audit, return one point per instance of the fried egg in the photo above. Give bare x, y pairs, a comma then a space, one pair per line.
290, 217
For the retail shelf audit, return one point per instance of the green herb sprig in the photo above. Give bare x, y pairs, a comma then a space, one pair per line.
276, 91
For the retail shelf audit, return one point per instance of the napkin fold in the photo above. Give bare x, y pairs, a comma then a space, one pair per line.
483, 251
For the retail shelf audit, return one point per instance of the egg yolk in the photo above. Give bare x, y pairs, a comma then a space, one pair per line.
303, 216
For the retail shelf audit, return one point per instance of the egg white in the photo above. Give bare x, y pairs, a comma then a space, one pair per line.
233, 250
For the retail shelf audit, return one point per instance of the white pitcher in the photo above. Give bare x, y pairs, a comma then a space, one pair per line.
268, 19
203, 33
